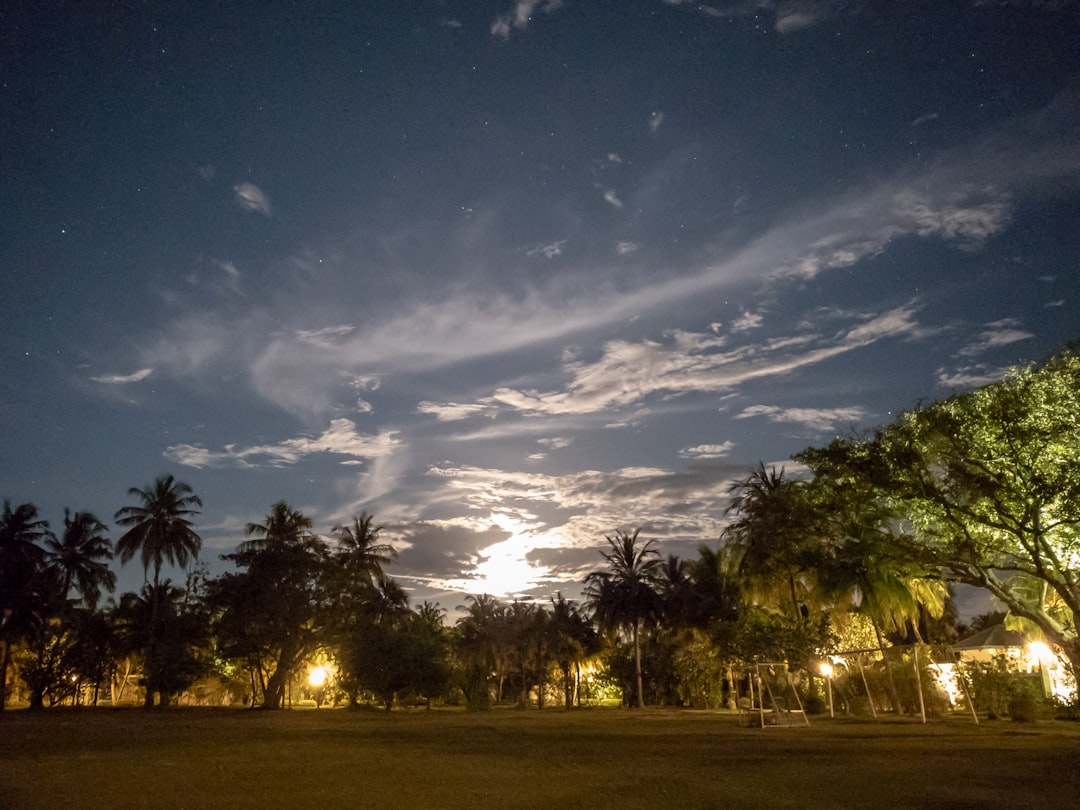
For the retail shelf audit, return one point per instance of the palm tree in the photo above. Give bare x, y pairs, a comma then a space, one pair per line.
284, 526
625, 597
78, 553
360, 552
20, 560
573, 640
153, 621
483, 643
20, 531
771, 545
431, 616
160, 525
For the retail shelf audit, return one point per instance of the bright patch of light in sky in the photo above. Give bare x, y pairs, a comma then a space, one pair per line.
512, 276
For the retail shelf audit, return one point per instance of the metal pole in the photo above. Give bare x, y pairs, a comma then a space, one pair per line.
918, 683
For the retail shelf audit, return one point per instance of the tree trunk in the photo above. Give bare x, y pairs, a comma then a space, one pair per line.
274, 694
1071, 649
637, 664
3, 674
894, 695
540, 672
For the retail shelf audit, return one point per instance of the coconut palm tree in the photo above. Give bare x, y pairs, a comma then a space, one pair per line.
573, 640
359, 551
772, 544
20, 532
21, 558
483, 643
78, 554
624, 597
160, 525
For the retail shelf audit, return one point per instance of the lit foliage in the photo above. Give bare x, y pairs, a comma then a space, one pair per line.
986, 486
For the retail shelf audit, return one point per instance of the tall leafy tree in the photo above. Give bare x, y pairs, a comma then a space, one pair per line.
989, 481
273, 610
772, 543
170, 629
482, 644
21, 558
866, 569
573, 641
360, 552
79, 555
624, 597
160, 525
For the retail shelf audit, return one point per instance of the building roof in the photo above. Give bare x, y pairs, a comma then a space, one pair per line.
995, 636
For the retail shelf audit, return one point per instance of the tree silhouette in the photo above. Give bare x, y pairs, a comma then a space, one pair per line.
21, 557
160, 525
273, 611
78, 556
482, 642
624, 597
359, 551
772, 545
573, 640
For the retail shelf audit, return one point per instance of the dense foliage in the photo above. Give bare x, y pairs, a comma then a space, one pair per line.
982, 488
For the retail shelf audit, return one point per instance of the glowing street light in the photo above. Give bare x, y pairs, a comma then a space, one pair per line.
317, 677
826, 669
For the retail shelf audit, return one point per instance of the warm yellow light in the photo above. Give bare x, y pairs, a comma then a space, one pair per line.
826, 669
1039, 653
317, 676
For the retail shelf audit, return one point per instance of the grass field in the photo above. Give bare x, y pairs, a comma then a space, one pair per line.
193, 758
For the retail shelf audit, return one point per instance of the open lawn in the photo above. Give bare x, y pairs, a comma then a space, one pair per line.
195, 758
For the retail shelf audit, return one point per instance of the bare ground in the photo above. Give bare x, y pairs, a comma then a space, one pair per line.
193, 758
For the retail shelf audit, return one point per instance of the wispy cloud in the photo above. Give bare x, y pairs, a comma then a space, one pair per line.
788, 16
123, 379
326, 337
864, 229
251, 198
656, 120
340, 438
300, 367
453, 411
970, 376
556, 442
549, 250
708, 451
521, 15
998, 333
612, 199
821, 420
747, 321
628, 373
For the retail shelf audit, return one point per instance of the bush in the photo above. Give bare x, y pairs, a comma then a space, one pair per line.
999, 688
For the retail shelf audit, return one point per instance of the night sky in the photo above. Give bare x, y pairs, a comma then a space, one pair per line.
512, 275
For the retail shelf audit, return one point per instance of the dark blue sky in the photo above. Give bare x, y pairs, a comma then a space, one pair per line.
513, 275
